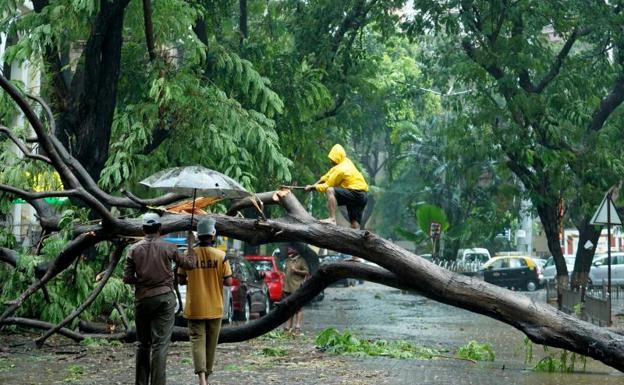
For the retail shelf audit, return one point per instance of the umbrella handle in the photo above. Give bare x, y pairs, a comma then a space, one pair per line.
193, 209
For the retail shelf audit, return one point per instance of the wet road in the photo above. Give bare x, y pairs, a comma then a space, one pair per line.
367, 310
377, 311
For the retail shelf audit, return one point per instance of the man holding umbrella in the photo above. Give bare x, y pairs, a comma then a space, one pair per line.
204, 298
148, 268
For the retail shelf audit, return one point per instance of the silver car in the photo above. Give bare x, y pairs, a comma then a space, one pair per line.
549, 271
228, 308
599, 271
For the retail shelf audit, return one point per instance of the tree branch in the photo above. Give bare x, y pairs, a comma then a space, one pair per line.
40, 131
561, 56
283, 197
42, 325
319, 280
607, 105
22, 147
323, 277
33, 195
492, 69
115, 256
72, 251
9, 256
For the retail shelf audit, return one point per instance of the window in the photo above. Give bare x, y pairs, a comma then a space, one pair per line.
516, 263
479, 258
262, 265
249, 270
239, 270
500, 264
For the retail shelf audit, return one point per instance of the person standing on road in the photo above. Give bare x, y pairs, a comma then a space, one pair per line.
148, 268
204, 298
344, 185
296, 272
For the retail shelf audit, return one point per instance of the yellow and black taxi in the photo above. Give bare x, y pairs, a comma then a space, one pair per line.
517, 272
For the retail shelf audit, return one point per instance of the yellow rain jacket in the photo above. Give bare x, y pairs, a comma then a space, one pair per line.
343, 174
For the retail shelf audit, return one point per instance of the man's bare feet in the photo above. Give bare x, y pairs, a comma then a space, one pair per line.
202, 378
331, 221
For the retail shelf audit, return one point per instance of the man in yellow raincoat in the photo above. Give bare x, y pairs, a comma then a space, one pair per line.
344, 185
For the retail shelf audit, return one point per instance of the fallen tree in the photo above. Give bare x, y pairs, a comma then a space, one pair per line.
543, 324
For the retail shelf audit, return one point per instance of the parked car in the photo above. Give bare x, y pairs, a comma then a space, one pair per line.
518, 272
549, 272
228, 310
250, 293
599, 270
331, 258
268, 268
477, 255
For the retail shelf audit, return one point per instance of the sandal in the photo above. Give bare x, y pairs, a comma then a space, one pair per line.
297, 330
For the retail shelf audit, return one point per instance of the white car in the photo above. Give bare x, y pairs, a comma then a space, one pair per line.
599, 270
228, 309
549, 272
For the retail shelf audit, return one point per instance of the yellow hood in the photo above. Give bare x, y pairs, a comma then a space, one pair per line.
344, 173
337, 153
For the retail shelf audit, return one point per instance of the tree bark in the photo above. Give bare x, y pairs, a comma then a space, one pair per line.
584, 257
242, 21
549, 216
9, 256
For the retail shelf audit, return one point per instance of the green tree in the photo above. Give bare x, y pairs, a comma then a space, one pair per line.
546, 88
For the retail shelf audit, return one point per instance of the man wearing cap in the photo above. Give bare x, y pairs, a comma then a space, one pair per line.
148, 268
296, 272
204, 298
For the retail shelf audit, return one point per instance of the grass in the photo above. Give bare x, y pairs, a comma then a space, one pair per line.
99, 342
332, 341
276, 335
562, 361
274, 352
476, 351
5, 366
76, 372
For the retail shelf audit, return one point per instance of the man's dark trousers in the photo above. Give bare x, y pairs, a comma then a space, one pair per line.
154, 325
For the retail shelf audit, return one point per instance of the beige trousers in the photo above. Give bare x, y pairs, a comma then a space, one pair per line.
204, 335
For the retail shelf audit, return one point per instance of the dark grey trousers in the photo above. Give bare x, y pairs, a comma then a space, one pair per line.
154, 325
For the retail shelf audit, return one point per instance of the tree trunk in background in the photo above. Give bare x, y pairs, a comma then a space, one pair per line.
549, 216
85, 103
584, 257
242, 21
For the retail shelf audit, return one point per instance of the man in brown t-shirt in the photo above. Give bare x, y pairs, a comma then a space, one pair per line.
148, 268
296, 272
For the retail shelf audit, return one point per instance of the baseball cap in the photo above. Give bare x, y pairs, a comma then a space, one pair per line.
151, 219
206, 226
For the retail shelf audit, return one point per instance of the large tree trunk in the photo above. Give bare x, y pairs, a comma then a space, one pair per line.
85, 104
